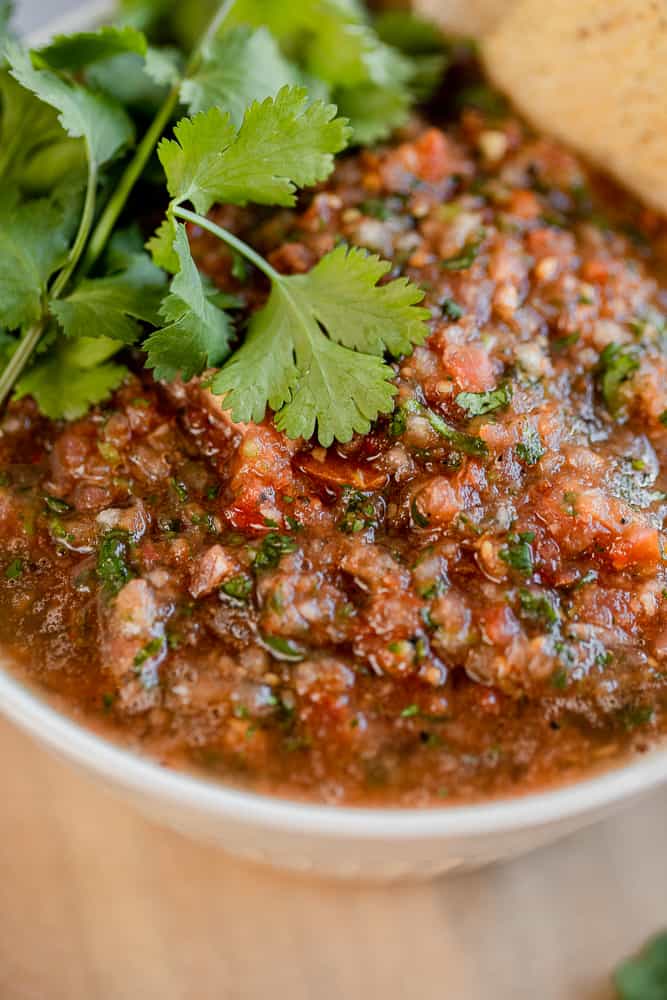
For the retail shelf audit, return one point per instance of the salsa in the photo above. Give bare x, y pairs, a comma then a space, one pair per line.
470, 601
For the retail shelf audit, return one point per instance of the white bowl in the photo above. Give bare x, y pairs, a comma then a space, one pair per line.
344, 842
332, 840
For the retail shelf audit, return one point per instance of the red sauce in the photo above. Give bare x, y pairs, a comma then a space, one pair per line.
470, 601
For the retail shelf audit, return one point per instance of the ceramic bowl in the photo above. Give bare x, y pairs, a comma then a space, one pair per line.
355, 843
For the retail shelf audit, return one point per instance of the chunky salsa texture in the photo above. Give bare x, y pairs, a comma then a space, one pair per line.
469, 601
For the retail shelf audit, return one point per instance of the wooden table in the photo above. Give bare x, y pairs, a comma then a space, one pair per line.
97, 904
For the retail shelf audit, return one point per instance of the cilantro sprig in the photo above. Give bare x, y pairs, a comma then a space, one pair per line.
259, 83
315, 353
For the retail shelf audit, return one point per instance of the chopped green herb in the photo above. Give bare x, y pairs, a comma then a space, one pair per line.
570, 502
518, 553
476, 404
283, 649
530, 449
539, 605
376, 208
467, 443
466, 257
107, 701
617, 364
239, 587
410, 712
359, 512
452, 310
180, 489
633, 716
14, 570
559, 679
212, 492
173, 640
419, 519
663, 418
561, 344
4, 479
272, 548
152, 648
112, 555
57, 505
398, 421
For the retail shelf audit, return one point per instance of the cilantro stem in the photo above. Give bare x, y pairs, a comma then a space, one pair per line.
135, 167
232, 241
129, 178
31, 337
19, 359
85, 224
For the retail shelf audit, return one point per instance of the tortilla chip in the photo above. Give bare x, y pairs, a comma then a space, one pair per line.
594, 74
464, 17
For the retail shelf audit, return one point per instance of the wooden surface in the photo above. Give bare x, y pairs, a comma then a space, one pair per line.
96, 903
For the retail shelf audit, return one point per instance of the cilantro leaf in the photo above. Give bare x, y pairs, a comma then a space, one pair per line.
6, 11
308, 379
644, 977
422, 41
314, 367
75, 52
197, 334
72, 377
104, 125
136, 81
356, 311
33, 243
476, 404
161, 244
35, 152
110, 306
282, 143
374, 111
238, 68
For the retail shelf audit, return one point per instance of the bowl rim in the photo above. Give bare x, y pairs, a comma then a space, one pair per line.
145, 776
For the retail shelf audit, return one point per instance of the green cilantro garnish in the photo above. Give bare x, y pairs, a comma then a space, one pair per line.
518, 553
315, 354
644, 977
530, 449
112, 561
419, 519
283, 649
476, 404
616, 366
271, 549
410, 712
633, 716
56, 505
466, 257
467, 443
180, 489
452, 310
14, 570
539, 605
239, 587
359, 512
152, 648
